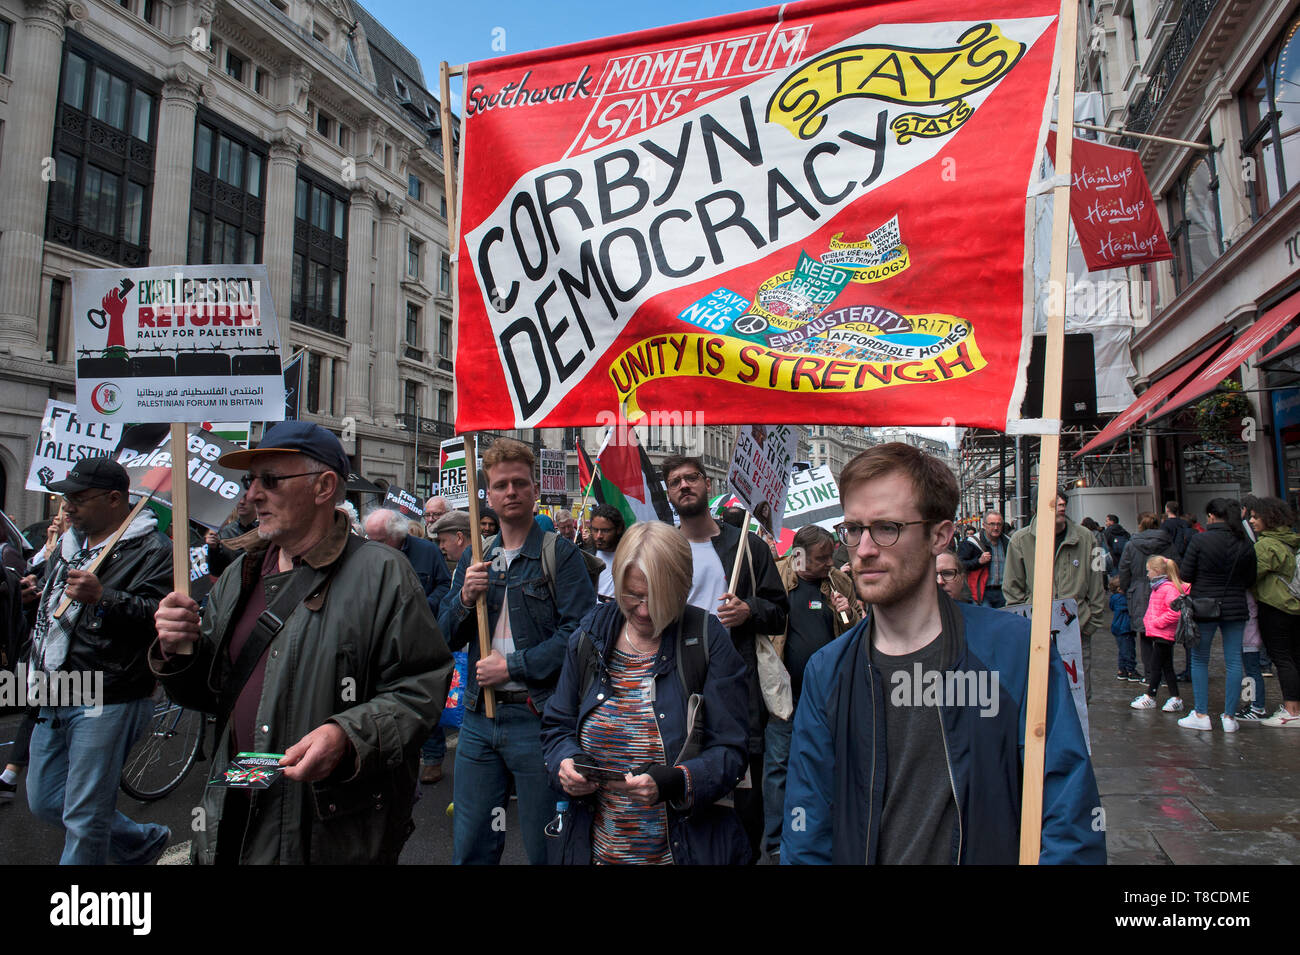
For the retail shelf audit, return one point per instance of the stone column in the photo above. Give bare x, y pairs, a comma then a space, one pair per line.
388, 391
36, 48
361, 214
277, 243
169, 222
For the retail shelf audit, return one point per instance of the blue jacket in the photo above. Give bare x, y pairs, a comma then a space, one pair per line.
836, 783
431, 567
541, 625
699, 831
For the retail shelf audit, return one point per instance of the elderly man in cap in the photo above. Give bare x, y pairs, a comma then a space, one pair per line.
316, 645
79, 745
452, 535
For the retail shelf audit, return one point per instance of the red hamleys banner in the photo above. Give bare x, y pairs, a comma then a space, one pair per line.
807, 213
1111, 207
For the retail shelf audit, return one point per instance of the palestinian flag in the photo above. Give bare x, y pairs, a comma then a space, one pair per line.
628, 481
236, 432
452, 455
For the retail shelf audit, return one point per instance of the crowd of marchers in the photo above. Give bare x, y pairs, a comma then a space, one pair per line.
649, 693
1233, 577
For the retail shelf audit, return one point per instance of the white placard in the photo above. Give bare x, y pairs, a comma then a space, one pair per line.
191, 343
65, 439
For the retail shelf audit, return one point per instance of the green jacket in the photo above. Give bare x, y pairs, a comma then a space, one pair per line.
1275, 561
365, 654
1072, 573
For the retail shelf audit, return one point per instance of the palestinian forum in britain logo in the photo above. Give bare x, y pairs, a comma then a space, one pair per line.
106, 398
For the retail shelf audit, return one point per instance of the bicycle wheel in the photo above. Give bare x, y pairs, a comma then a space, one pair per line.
164, 754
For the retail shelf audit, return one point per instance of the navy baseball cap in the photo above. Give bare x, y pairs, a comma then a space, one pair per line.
103, 473
293, 437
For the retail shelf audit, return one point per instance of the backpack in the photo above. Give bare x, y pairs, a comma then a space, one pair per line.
692, 653
595, 566
1117, 544
1293, 585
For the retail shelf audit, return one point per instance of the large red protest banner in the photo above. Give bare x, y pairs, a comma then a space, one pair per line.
814, 212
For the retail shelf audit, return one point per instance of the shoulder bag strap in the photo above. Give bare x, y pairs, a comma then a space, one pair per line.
272, 621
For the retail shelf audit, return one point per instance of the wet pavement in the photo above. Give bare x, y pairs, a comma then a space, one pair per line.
1174, 796
1171, 796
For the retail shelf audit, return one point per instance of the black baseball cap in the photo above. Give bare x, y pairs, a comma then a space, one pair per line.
293, 437
102, 473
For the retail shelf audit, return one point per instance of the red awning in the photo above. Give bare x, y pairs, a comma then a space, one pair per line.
1245, 345
1149, 399
1290, 342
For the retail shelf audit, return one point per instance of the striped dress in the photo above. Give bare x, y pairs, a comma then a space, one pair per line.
622, 733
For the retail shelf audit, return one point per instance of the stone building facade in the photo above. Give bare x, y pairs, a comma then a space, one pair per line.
295, 133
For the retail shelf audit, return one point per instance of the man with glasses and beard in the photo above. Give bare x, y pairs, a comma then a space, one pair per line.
907, 740
316, 644
759, 605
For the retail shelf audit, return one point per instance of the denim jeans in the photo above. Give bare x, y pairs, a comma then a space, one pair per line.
434, 750
1127, 645
1250, 663
776, 757
488, 753
1233, 631
73, 778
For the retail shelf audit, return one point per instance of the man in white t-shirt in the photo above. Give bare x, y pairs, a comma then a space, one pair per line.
606, 531
759, 605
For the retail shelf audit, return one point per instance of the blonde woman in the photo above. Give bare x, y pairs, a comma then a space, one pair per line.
615, 733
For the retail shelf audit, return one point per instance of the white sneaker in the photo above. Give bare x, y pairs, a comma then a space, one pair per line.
1282, 718
1229, 723
1143, 702
1197, 721
1173, 705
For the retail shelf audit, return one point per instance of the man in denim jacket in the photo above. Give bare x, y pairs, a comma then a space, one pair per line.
528, 648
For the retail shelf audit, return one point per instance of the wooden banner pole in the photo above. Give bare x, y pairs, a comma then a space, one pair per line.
471, 444
109, 544
741, 551
448, 157
181, 519
1031, 803
476, 542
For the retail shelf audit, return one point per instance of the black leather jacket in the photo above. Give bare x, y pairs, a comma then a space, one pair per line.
114, 634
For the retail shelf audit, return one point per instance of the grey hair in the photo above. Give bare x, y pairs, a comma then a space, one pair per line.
320, 467
350, 510
396, 527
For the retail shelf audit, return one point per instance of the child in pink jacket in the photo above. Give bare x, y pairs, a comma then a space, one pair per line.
1161, 623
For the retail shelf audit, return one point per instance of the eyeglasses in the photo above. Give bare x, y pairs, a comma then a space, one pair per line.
884, 533
81, 499
633, 600
946, 575
693, 478
269, 481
